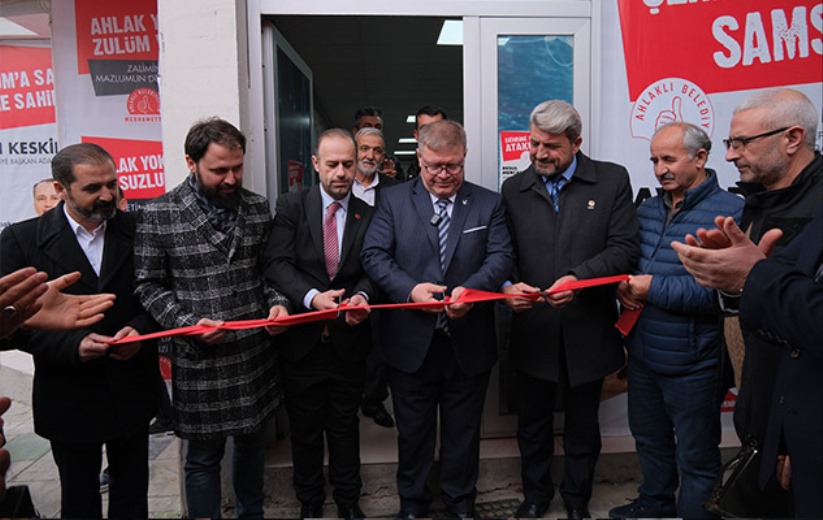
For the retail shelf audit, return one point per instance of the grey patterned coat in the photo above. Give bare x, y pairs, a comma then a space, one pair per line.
184, 273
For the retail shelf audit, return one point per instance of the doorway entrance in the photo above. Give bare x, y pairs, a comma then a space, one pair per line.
489, 83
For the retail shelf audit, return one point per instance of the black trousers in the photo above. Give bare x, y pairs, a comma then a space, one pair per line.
581, 439
376, 390
323, 393
79, 467
438, 390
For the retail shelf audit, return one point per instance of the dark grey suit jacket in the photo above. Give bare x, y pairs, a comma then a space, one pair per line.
401, 250
594, 235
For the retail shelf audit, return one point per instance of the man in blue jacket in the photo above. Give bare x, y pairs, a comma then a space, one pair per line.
673, 349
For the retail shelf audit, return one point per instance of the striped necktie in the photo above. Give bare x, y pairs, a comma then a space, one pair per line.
554, 186
443, 230
442, 238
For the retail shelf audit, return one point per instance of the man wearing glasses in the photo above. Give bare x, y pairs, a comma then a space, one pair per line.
432, 237
772, 144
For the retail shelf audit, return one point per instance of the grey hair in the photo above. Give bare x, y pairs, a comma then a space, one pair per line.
785, 107
694, 137
557, 117
369, 130
441, 135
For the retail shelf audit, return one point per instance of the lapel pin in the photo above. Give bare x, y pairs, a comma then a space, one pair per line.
590, 205
465, 201
357, 216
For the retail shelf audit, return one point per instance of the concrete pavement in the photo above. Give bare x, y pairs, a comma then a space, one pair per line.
499, 489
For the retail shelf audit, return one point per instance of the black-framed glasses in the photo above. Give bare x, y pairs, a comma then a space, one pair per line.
434, 169
737, 143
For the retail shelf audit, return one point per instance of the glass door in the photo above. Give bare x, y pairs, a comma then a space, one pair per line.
288, 102
520, 63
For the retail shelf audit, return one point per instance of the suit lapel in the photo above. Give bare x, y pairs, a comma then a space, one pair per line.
57, 240
462, 207
532, 181
351, 229
117, 249
423, 205
314, 216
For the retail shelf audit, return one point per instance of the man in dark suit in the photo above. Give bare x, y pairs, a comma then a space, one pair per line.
570, 218
369, 183
430, 237
88, 393
313, 257
781, 302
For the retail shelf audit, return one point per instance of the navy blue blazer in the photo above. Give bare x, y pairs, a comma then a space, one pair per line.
401, 250
782, 304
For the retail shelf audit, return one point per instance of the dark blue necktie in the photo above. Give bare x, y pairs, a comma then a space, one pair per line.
554, 186
443, 230
442, 238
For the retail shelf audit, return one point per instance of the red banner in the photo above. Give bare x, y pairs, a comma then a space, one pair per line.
26, 86
140, 169
115, 31
721, 45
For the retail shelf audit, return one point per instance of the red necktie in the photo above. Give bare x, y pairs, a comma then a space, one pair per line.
330, 251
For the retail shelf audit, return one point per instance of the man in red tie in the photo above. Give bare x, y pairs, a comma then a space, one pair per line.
313, 257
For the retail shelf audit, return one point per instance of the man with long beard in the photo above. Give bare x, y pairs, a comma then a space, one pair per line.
87, 392
197, 257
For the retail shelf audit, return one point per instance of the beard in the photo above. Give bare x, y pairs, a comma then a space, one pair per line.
99, 211
367, 169
223, 199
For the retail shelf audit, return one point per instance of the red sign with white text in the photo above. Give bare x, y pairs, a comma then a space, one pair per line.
514, 144
140, 169
115, 31
26, 86
722, 45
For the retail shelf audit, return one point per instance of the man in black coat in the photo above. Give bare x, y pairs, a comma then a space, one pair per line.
570, 218
313, 257
87, 392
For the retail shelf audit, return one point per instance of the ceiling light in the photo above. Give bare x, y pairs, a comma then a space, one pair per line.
407, 140
451, 33
405, 152
411, 119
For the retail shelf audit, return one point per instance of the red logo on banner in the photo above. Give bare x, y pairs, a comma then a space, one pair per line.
26, 86
140, 169
143, 101
115, 31
514, 145
669, 100
722, 45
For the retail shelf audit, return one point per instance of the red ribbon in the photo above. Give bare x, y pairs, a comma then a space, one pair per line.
467, 296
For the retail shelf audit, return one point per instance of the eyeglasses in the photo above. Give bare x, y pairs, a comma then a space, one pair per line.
737, 143
451, 169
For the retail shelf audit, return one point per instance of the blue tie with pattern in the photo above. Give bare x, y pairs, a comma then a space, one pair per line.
443, 230
442, 238
554, 186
